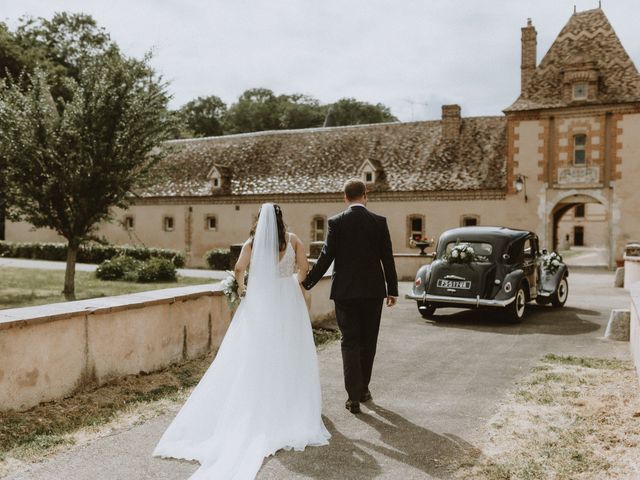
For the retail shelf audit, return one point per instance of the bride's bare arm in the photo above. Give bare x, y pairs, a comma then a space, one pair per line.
301, 258
241, 266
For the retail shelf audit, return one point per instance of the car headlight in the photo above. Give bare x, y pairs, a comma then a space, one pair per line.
508, 287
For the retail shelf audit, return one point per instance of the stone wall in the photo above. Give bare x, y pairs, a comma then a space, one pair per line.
51, 351
634, 327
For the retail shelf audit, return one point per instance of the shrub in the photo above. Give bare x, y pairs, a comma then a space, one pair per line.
89, 252
218, 259
132, 270
156, 270
119, 268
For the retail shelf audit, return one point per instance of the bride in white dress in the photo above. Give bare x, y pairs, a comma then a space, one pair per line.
262, 391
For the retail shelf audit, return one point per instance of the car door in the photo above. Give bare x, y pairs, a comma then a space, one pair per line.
530, 265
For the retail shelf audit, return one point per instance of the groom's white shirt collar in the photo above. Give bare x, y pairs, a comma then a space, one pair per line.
357, 205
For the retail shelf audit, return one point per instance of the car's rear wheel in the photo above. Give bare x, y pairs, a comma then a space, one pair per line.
515, 310
559, 298
426, 309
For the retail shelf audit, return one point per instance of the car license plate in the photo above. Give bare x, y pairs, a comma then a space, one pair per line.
457, 284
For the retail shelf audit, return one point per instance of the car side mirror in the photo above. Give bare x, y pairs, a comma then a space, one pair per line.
506, 256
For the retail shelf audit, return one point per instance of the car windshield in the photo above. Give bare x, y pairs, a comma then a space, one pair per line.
481, 250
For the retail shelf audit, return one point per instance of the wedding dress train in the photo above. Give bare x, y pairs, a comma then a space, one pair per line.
262, 391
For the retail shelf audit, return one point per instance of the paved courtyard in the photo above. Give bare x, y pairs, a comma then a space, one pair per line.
435, 386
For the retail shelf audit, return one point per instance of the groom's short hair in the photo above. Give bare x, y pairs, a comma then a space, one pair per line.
354, 188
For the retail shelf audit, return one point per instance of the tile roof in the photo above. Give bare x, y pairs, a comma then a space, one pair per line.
588, 37
413, 157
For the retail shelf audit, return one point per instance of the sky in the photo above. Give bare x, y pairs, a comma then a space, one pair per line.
411, 55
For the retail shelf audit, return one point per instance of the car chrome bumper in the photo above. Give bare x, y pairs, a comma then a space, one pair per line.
467, 302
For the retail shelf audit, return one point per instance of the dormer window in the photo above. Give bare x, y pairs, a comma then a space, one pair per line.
370, 171
219, 178
580, 91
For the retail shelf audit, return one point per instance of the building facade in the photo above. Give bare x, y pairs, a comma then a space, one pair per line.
571, 138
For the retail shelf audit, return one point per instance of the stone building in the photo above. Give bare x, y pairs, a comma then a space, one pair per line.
572, 137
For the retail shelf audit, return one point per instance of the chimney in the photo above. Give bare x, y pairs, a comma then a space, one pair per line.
529, 46
451, 122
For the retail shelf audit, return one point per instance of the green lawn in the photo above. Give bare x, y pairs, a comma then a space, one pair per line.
23, 287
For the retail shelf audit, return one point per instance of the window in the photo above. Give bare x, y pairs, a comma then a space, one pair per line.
318, 229
470, 220
168, 224
216, 182
211, 223
129, 222
529, 249
579, 149
482, 250
579, 212
580, 91
415, 227
368, 177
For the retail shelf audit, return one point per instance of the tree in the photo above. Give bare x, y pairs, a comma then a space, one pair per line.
61, 46
256, 110
13, 57
58, 46
70, 161
349, 111
300, 111
203, 116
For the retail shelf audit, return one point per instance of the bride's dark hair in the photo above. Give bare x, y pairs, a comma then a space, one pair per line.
282, 228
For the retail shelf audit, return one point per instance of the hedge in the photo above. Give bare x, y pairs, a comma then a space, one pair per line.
218, 259
90, 252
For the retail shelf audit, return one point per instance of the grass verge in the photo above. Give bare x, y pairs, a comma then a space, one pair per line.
22, 287
571, 418
26, 436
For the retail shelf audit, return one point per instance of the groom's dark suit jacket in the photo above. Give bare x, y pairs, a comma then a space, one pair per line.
358, 242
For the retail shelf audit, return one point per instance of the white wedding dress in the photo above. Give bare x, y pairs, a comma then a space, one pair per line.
262, 391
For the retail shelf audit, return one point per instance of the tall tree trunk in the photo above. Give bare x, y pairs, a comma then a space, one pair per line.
70, 273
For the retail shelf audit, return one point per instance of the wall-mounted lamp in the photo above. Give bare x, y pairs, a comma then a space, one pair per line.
521, 186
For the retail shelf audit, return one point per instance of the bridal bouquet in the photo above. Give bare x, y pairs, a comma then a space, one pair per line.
551, 262
230, 290
461, 253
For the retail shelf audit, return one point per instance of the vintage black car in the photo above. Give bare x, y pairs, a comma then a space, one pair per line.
498, 267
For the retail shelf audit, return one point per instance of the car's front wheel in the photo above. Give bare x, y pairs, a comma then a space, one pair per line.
559, 298
426, 309
515, 310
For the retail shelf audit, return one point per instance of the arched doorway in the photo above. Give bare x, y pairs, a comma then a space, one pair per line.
579, 224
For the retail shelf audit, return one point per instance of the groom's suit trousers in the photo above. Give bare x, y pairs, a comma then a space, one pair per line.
359, 322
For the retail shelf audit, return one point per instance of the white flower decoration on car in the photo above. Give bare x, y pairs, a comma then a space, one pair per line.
454, 254
463, 255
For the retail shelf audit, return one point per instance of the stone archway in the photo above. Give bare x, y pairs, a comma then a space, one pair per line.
568, 200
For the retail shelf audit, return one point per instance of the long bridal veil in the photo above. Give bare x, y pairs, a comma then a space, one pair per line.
262, 392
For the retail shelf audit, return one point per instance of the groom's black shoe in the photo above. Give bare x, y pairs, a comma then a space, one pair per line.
353, 407
366, 397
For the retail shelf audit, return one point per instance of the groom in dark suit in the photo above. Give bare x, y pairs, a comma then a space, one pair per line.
364, 274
